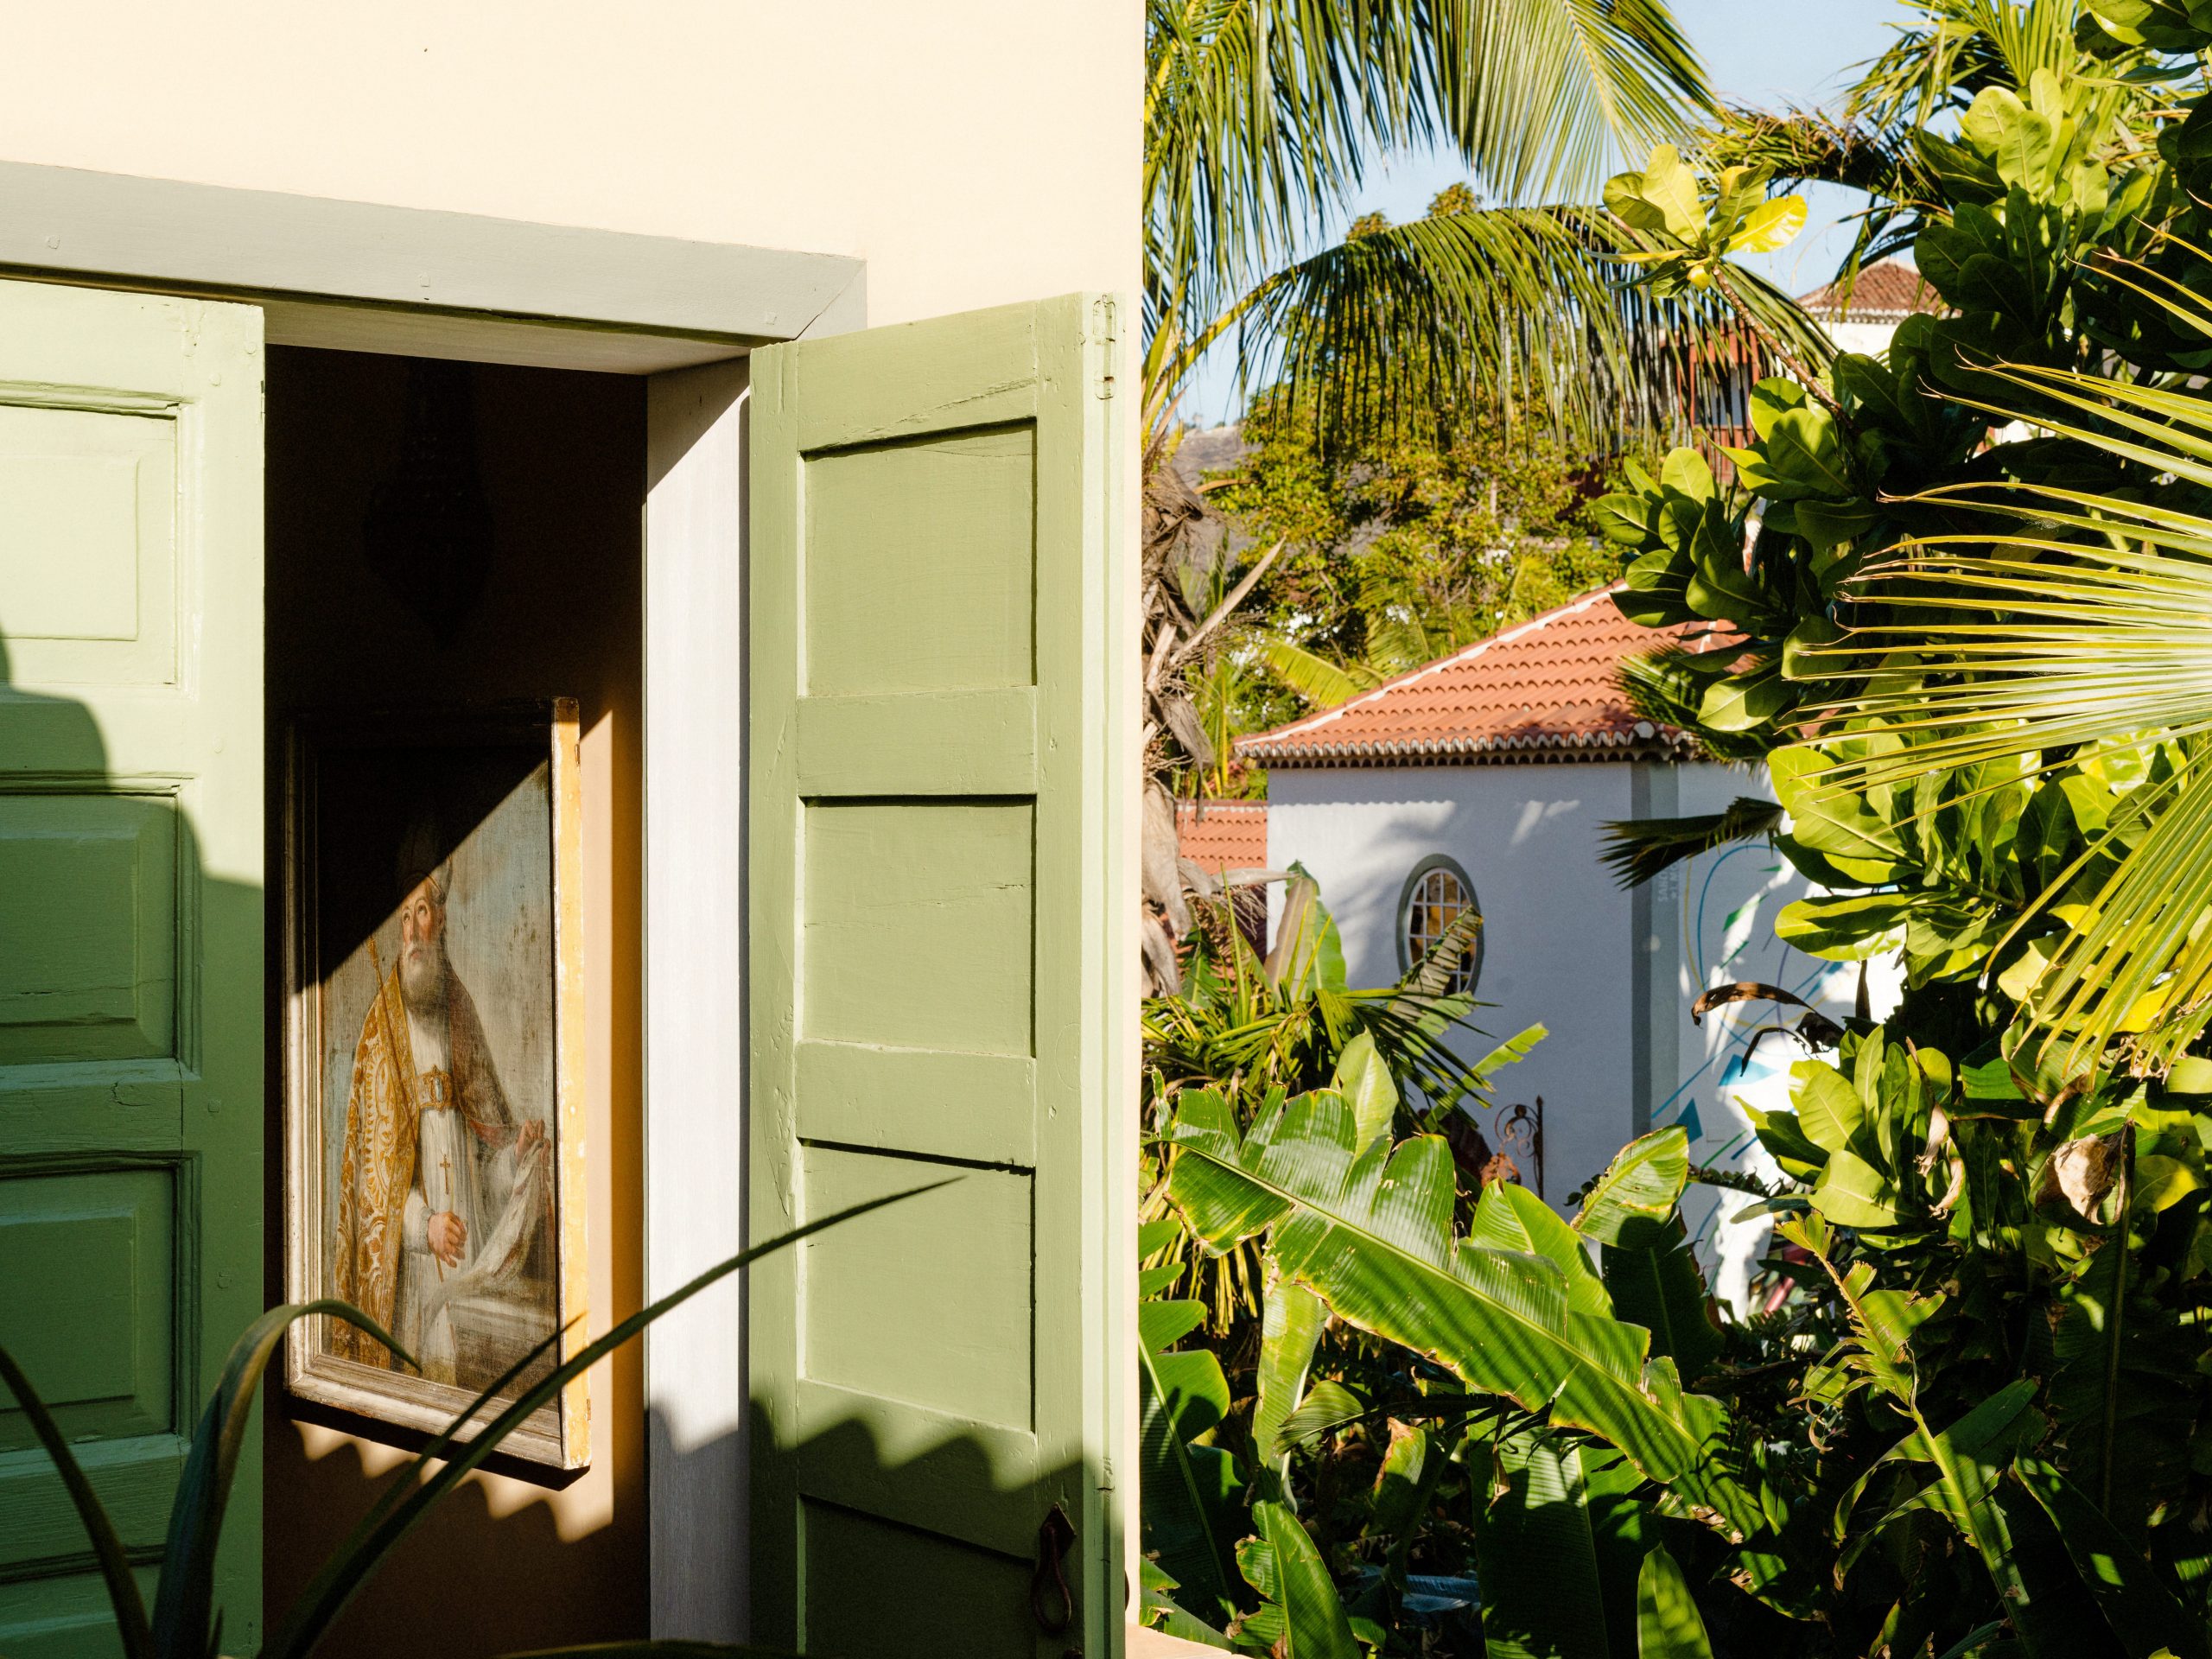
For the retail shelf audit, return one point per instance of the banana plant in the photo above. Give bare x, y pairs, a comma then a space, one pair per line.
184, 1623
1369, 1230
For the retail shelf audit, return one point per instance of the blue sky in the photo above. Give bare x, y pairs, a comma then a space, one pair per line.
1756, 51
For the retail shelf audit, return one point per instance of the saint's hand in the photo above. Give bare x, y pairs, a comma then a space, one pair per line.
448, 1237
527, 1143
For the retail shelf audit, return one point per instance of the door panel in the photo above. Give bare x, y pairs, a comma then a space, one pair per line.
131, 941
939, 893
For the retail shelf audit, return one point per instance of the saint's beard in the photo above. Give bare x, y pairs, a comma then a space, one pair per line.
423, 975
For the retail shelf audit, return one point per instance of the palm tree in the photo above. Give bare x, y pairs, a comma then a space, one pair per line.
1261, 117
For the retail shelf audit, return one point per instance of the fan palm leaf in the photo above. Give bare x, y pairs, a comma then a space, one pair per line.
2080, 619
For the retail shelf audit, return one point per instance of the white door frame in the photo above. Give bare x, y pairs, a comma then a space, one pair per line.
362, 276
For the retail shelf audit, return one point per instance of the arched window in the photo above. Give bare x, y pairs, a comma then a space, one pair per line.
1437, 894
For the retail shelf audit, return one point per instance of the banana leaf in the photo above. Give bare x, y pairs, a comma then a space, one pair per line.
1559, 1539
1291, 1320
1193, 1495
1305, 1618
2142, 1611
1371, 1232
1660, 1285
1632, 1201
1668, 1623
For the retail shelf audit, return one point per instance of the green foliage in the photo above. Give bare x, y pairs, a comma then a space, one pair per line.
185, 1624
1261, 119
1955, 598
1398, 546
1687, 231
1987, 794
1975, 1410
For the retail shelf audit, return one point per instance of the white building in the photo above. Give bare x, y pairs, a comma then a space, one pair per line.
1487, 779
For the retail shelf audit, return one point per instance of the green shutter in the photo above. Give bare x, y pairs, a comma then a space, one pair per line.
131, 923
941, 898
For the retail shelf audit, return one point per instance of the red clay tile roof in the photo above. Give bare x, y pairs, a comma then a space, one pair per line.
1885, 290
1544, 690
1223, 834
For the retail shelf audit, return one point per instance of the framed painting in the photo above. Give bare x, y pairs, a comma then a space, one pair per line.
434, 1068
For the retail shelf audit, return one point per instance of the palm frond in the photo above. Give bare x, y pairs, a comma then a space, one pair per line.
2080, 619
1389, 330
1313, 676
1261, 116
1666, 688
1637, 850
1957, 48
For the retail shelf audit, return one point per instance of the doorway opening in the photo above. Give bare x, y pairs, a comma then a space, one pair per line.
445, 541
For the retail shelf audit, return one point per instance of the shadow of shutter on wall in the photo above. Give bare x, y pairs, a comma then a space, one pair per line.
131, 925
937, 899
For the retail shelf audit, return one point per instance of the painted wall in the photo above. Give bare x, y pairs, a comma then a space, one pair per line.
974, 152
1560, 947
508, 1563
1555, 935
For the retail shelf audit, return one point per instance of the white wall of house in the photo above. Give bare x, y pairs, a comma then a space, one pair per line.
1867, 338
1556, 946
1562, 944
974, 152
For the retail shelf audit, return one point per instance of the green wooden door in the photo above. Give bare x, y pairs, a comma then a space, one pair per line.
940, 898
131, 941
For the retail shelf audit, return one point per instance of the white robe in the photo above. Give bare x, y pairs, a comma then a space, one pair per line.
454, 1172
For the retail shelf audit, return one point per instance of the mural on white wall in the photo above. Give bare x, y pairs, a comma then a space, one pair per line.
1740, 1055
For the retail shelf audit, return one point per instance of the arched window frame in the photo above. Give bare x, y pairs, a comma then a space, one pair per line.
1450, 866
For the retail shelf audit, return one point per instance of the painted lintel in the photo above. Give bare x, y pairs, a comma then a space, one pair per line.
409, 264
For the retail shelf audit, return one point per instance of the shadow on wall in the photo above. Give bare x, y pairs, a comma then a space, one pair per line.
875, 1590
130, 1153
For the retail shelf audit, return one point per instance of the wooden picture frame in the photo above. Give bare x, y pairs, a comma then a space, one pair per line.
424, 850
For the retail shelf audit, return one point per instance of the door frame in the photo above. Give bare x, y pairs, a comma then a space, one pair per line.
369, 277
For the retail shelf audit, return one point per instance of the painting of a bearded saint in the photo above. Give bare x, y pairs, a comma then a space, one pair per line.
435, 1048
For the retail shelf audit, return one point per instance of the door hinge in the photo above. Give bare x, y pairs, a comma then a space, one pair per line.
1104, 320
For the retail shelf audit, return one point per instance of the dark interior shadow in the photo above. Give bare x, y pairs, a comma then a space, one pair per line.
550, 466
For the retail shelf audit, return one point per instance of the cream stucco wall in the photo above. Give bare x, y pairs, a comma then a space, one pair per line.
972, 151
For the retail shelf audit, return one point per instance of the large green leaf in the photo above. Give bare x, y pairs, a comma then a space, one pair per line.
1660, 1286
1829, 1110
1291, 1321
2126, 1388
1305, 1618
1559, 1541
1509, 1216
2141, 1610
1668, 1623
1365, 1082
1852, 1192
1371, 1233
1193, 1494
1631, 1201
